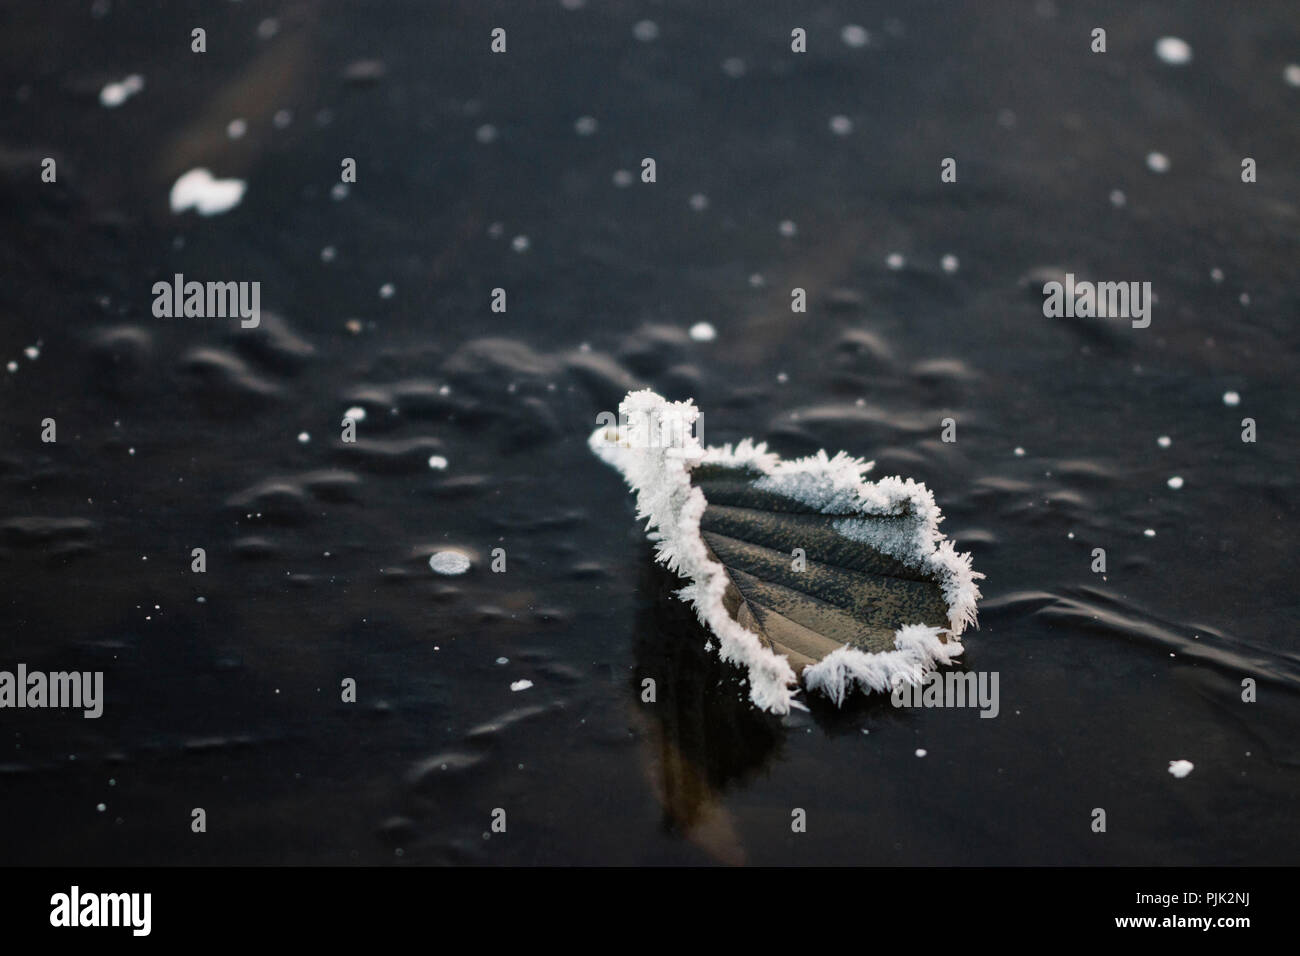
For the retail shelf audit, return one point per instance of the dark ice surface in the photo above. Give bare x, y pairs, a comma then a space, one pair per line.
223, 689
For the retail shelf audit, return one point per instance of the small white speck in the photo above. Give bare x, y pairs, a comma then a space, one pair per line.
1216, 275
282, 119
1244, 298
703, 332
841, 125
503, 660
1175, 482
236, 128
1150, 532
12, 366
623, 178
487, 133
855, 36
303, 437
1164, 441
339, 192
950, 263
115, 94
520, 243
1292, 74
699, 202
386, 290
787, 228
782, 377
437, 463
895, 261
449, 562
646, 31
328, 253
1117, 198
585, 125
756, 281
32, 352
1231, 398
101, 807
268, 28
521, 685
207, 195
920, 752
1019, 452
1180, 768
356, 413
1158, 162
1173, 51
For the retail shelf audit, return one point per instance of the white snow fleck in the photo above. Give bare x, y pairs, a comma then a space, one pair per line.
1175, 482
1164, 441
950, 263
920, 751
703, 332
303, 437
623, 178
356, 413
855, 36
585, 125
1117, 198
699, 202
1173, 51
1216, 275
1231, 398
386, 290
1150, 532
520, 243
487, 133
895, 261
282, 119
734, 67
437, 463
114, 95
503, 660
841, 125
11, 366
787, 228
339, 192
236, 128
1158, 162
1019, 452
1180, 768
198, 189
32, 352
646, 31
521, 685
1292, 74
449, 562
328, 253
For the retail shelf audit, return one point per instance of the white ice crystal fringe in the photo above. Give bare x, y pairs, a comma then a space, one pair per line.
659, 472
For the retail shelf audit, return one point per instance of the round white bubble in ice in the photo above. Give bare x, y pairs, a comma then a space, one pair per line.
449, 562
1173, 51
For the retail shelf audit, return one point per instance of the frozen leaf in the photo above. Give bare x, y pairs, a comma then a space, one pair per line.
802, 569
